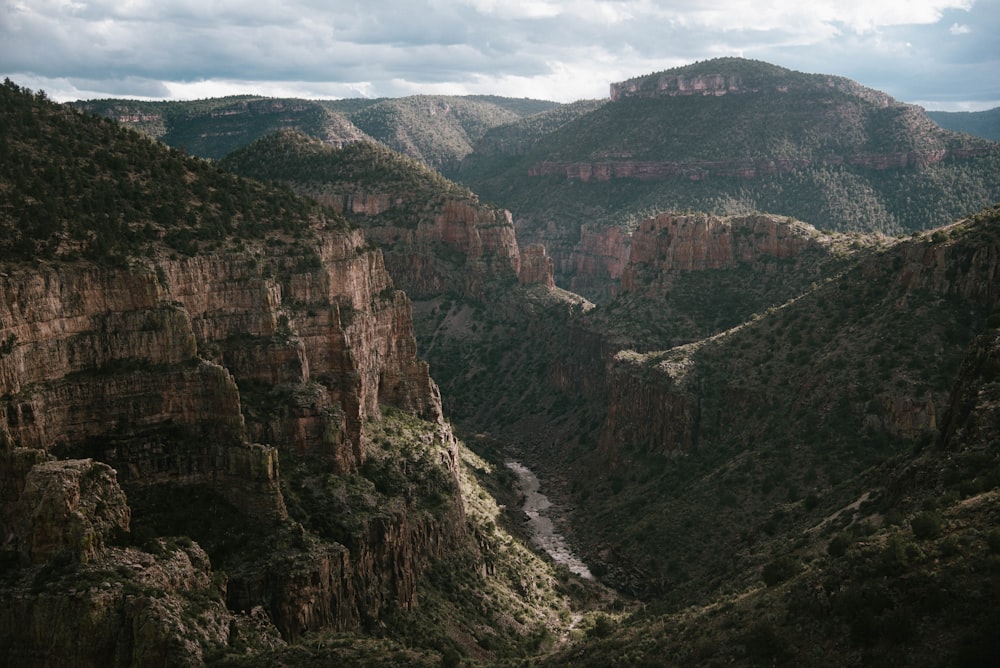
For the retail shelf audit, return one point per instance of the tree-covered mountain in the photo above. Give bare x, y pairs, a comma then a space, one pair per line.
439, 130
110, 192
777, 442
985, 124
732, 136
217, 444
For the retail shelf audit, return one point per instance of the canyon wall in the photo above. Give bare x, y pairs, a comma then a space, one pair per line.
451, 245
194, 372
655, 401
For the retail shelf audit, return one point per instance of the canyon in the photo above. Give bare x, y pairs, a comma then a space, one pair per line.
235, 450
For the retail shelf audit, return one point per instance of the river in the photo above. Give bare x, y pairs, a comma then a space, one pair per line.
543, 533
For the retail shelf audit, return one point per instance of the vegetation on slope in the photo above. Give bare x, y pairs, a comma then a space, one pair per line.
985, 124
488, 599
81, 186
214, 127
437, 130
831, 156
328, 173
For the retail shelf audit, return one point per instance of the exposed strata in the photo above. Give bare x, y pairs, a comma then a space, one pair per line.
451, 246
673, 84
175, 371
536, 266
697, 170
651, 402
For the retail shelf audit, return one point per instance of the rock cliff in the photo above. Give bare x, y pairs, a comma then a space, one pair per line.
174, 370
950, 277
436, 235
732, 76
670, 243
458, 246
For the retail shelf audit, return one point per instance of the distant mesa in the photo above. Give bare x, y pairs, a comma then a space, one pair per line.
736, 76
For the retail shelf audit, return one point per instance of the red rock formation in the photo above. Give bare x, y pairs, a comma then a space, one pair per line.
536, 266
670, 243
453, 245
169, 370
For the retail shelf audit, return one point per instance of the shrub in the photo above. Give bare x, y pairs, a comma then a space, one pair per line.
993, 540
780, 569
838, 545
926, 525
763, 645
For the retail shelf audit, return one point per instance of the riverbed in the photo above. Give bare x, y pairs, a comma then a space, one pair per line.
542, 532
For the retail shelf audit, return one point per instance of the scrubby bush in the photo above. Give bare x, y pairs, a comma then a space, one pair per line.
780, 569
926, 525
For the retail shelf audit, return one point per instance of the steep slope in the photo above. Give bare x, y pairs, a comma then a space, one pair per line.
212, 128
437, 237
734, 444
440, 130
437, 130
985, 124
896, 564
731, 136
173, 355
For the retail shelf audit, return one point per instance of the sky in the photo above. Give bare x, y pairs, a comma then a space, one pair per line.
940, 54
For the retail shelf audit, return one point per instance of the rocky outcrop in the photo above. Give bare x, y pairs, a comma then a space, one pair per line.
68, 509
452, 246
972, 419
648, 411
672, 243
595, 264
906, 417
723, 82
536, 267
131, 608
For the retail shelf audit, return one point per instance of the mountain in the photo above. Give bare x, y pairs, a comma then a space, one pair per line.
213, 128
731, 137
436, 236
772, 443
439, 130
217, 442
985, 124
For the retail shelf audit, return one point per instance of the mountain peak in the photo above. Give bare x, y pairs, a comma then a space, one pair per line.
734, 76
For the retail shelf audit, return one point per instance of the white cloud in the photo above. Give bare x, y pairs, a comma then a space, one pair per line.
563, 49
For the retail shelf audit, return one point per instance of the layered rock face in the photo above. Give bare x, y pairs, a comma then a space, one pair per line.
698, 170
655, 401
669, 243
173, 371
655, 417
455, 246
536, 267
123, 353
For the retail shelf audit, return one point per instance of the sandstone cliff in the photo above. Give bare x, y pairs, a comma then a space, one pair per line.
173, 370
458, 246
950, 279
436, 235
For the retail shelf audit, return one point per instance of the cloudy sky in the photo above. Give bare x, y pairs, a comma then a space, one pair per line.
941, 54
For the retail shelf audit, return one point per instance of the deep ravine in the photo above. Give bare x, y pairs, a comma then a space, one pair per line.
542, 532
